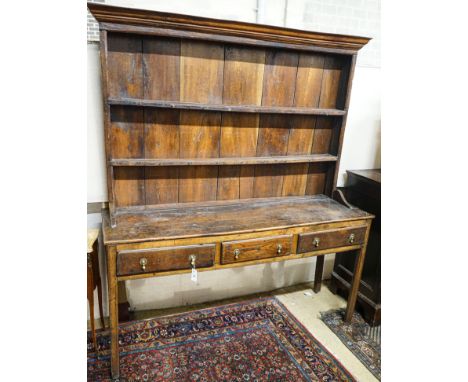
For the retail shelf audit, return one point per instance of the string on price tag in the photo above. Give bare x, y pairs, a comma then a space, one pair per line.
194, 275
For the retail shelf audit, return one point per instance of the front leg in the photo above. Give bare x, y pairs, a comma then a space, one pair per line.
113, 311
356, 281
318, 273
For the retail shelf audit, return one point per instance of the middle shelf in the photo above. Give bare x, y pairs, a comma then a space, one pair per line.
225, 108
232, 161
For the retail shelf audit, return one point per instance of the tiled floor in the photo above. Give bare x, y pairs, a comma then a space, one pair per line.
306, 306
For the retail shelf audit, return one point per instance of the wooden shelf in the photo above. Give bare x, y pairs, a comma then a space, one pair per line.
224, 161
225, 108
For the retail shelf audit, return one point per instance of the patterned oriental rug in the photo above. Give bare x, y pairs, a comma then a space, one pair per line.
362, 339
256, 340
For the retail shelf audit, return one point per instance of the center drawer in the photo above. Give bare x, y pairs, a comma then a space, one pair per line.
150, 260
255, 249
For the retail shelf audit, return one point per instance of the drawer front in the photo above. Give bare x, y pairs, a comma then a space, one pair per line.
316, 241
149, 260
256, 249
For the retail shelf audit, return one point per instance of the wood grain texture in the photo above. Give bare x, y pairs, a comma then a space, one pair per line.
228, 186
227, 217
309, 80
165, 259
330, 82
320, 177
124, 66
243, 76
127, 132
272, 140
252, 109
199, 138
201, 72
199, 134
323, 134
241, 264
161, 69
161, 141
279, 78
229, 161
330, 239
300, 140
316, 179
239, 134
278, 90
127, 141
256, 249
243, 79
125, 79
327, 130
201, 81
301, 136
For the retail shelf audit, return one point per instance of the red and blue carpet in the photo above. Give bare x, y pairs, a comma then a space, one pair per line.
362, 339
256, 340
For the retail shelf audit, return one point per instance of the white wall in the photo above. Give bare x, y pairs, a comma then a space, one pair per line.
97, 185
361, 147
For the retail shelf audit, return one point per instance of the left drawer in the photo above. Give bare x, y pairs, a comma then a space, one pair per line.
137, 261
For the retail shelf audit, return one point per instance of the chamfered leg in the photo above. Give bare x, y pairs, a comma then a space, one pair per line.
353, 292
318, 273
91, 316
99, 290
113, 310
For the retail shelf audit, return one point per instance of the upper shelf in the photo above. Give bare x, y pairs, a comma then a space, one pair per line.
225, 108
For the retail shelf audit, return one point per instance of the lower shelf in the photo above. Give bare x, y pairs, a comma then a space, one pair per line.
224, 161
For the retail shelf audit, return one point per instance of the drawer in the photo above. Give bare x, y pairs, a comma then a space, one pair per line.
255, 249
316, 241
164, 259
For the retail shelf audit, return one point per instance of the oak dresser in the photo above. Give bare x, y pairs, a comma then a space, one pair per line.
223, 143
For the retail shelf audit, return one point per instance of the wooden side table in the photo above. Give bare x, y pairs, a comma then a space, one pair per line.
94, 279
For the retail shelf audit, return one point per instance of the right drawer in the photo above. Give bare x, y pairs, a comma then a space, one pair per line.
316, 241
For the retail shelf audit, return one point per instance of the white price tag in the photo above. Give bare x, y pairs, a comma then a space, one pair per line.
194, 276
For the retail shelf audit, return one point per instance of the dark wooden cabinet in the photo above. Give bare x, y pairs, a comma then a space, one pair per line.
363, 191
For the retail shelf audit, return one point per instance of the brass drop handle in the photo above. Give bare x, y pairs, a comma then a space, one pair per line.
280, 249
236, 253
351, 238
316, 242
143, 262
192, 259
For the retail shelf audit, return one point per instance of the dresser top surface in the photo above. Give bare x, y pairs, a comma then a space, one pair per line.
228, 217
